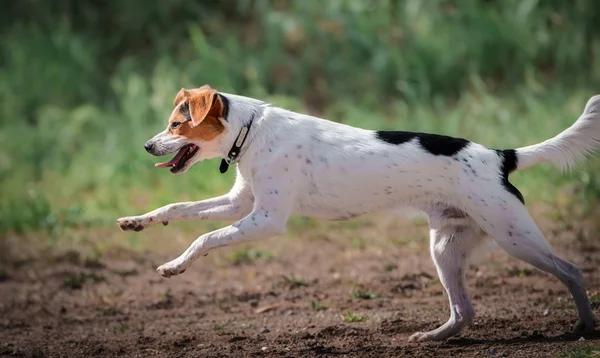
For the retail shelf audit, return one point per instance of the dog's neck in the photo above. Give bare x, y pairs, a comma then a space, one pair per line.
240, 111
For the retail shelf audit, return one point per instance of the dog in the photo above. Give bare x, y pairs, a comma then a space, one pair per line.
290, 163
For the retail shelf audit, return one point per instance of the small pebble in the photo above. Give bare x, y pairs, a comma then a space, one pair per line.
546, 312
263, 349
581, 339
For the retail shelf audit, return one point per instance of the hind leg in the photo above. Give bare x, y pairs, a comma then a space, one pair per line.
452, 239
515, 231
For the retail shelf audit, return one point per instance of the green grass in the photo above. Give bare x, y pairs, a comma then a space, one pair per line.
594, 299
248, 256
390, 267
365, 295
76, 280
519, 271
352, 317
221, 326
121, 328
320, 306
585, 352
293, 282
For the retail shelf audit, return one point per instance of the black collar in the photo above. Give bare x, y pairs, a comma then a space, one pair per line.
234, 152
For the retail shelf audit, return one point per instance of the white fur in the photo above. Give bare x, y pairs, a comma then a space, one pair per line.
297, 164
570, 146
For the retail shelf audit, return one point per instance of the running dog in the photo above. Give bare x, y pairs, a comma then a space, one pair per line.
290, 163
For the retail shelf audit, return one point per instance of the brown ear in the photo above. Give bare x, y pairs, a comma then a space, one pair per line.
202, 103
183, 93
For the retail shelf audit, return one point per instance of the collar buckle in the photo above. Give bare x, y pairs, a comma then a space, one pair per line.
234, 152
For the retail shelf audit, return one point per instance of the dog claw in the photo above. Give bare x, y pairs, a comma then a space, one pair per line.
134, 223
167, 270
417, 337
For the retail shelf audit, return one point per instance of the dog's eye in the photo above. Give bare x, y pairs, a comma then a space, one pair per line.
175, 125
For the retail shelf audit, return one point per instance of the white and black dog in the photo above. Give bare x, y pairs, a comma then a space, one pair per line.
290, 163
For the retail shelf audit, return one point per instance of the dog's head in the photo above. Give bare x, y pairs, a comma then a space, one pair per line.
194, 129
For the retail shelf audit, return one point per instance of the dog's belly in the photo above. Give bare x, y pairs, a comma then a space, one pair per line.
334, 206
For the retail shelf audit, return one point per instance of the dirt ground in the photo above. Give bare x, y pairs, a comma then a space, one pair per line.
290, 304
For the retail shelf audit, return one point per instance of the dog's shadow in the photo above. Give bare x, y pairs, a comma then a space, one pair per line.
524, 339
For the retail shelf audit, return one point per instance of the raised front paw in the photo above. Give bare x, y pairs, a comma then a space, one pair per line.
170, 269
135, 223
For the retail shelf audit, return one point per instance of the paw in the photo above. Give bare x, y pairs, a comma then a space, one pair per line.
135, 223
170, 269
586, 326
421, 337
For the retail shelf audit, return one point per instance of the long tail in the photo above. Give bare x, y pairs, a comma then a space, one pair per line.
570, 146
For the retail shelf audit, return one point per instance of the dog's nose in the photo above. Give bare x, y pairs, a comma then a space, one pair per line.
148, 146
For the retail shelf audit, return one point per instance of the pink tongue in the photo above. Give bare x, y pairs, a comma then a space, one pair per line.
173, 161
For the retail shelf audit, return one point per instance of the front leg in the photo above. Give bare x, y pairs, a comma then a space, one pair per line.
219, 208
232, 206
272, 208
257, 225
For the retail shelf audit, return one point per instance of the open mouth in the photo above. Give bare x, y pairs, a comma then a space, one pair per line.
178, 162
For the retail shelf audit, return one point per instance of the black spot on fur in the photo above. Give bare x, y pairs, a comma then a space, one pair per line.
225, 102
509, 165
453, 213
433, 143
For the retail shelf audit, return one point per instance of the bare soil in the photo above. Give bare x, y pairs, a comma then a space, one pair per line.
289, 305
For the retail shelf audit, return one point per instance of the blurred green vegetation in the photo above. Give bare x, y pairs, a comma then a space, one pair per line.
83, 84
